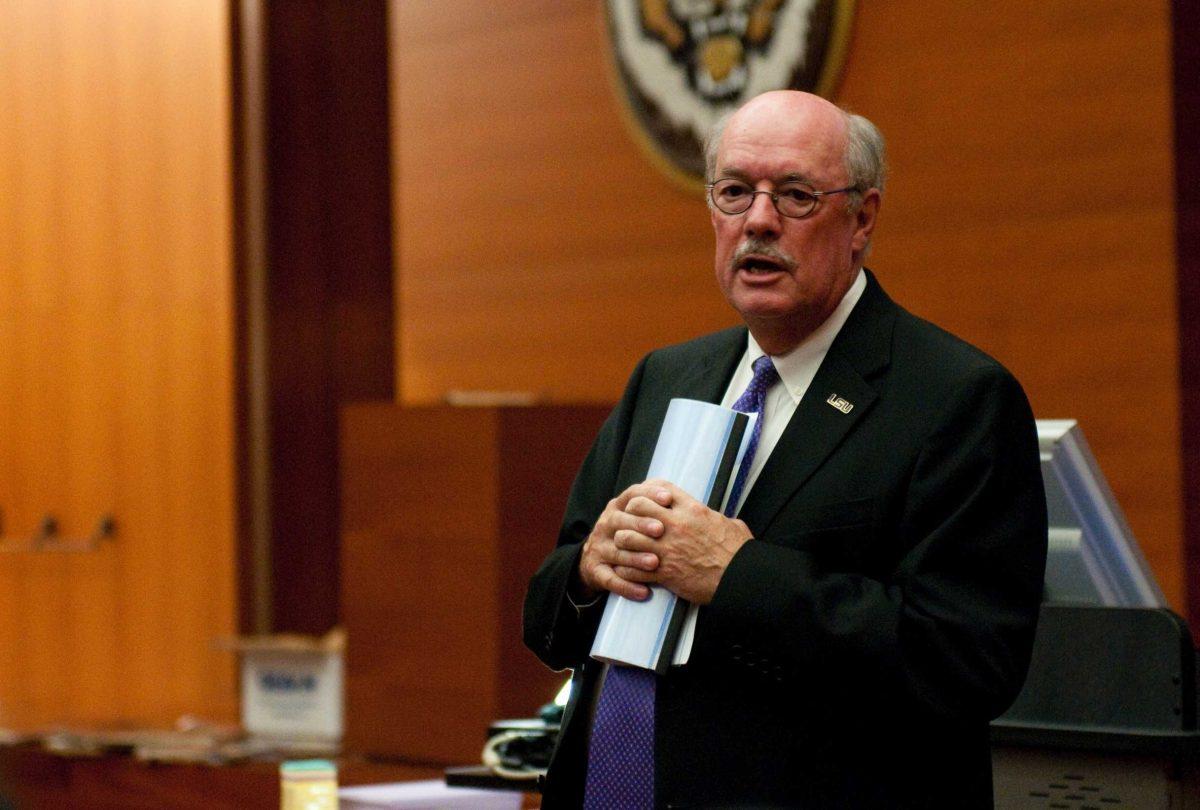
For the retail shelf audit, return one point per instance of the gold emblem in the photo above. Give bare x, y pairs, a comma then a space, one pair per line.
840, 403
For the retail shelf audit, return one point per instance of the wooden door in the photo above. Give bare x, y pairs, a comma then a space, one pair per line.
116, 392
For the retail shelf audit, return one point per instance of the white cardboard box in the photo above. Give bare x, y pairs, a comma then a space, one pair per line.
293, 686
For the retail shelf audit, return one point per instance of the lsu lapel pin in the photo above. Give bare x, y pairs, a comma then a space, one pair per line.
840, 403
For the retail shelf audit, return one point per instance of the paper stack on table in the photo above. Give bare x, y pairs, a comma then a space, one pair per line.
433, 794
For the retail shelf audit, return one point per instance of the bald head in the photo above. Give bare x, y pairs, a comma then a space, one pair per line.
792, 109
806, 116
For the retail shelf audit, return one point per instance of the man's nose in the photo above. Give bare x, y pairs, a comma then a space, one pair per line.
762, 217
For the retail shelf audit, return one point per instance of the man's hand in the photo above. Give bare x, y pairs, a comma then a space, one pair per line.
654, 532
601, 559
692, 550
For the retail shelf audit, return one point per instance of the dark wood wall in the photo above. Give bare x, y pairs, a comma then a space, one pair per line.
1186, 74
326, 273
447, 513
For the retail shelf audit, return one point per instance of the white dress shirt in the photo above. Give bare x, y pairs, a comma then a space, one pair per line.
796, 371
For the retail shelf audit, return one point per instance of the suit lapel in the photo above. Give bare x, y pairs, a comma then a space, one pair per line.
708, 378
849, 373
815, 431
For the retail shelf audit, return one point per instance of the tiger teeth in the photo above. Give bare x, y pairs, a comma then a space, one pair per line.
732, 83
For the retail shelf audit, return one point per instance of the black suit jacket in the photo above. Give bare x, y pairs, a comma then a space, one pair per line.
884, 612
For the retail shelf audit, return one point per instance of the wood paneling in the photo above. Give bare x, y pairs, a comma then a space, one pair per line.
1031, 211
537, 249
1185, 19
328, 277
115, 371
446, 515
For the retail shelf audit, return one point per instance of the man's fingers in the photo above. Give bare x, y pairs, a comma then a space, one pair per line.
647, 508
611, 581
629, 540
661, 492
634, 559
649, 526
633, 574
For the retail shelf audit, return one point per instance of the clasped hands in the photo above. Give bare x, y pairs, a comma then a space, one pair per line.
655, 533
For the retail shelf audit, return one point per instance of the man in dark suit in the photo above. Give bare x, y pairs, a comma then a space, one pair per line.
873, 602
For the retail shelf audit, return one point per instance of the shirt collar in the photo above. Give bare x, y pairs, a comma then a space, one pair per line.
798, 367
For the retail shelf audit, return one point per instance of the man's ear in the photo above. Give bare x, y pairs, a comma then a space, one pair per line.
864, 225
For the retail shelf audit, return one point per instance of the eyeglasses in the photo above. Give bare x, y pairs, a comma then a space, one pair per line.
792, 199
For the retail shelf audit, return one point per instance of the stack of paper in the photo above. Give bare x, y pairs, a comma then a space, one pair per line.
429, 795
700, 448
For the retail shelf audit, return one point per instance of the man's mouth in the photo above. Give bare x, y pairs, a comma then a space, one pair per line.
760, 265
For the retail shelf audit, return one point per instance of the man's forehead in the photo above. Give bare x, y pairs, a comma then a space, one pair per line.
780, 154
790, 175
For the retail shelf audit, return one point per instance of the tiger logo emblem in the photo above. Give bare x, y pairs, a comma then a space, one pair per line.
683, 63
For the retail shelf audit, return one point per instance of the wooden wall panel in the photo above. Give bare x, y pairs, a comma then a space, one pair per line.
1030, 211
446, 515
1185, 23
115, 375
327, 318
536, 247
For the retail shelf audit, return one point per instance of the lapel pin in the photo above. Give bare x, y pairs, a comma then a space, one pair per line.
840, 403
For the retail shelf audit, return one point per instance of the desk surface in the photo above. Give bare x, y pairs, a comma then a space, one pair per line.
32, 778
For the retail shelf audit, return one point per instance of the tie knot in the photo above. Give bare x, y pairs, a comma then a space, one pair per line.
765, 374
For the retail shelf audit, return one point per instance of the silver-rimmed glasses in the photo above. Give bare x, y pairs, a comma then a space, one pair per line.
791, 199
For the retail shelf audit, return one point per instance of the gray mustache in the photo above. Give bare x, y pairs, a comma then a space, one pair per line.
761, 248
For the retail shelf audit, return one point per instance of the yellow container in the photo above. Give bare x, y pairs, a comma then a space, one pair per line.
308, 784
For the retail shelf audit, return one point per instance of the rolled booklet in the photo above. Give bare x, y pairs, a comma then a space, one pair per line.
700, 448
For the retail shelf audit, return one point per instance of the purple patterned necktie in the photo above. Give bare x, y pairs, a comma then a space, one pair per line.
620, 774
751, 401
